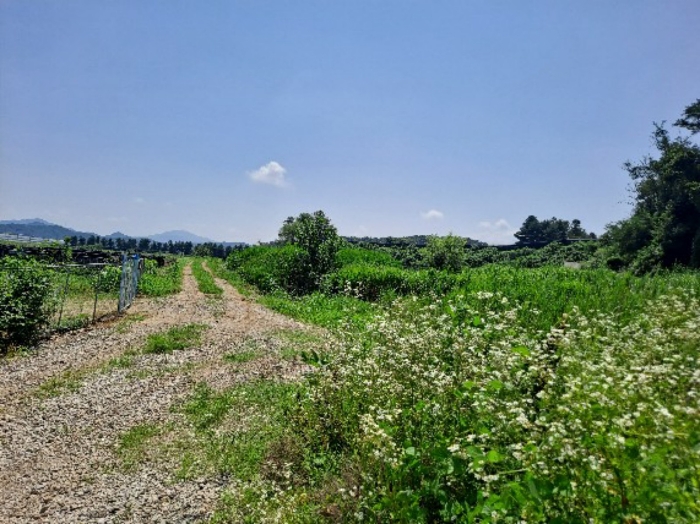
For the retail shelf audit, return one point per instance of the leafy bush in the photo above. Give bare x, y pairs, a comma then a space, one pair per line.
317, 237
109, 279
274, 268
25, 308
445, 253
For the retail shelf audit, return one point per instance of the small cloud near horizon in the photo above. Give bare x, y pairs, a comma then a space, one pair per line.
271, 173
433, 214
496, 232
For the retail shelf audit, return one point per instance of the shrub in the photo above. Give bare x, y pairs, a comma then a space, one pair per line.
446, 252
25, 288
274, 268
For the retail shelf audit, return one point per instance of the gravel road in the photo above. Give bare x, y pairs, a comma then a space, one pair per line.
64, 407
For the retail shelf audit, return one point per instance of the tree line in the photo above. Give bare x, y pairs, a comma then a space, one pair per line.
146, 245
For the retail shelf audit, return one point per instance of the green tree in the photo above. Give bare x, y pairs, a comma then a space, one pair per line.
317, 238
664, 228
446, 252
144, 244
534, 231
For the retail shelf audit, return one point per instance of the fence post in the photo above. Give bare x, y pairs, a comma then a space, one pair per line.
63, 301
122, 285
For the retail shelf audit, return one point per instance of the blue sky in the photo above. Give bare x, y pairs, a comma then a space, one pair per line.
394, 117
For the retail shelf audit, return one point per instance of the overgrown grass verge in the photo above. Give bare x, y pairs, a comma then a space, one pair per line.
162, 281
233, 430
174, 339
322, 310
218, 268
205, 281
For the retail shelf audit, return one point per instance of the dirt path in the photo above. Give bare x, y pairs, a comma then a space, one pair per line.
64, 408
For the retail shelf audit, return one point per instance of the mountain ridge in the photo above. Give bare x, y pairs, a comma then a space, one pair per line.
40, 228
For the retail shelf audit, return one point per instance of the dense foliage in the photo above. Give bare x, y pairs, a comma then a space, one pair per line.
455, 412
25, 301
305, 254
664, 229
160, 281
534, 231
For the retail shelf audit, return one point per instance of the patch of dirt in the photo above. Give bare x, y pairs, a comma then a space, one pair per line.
57, 454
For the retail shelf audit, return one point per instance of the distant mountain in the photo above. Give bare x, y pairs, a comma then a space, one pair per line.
36, 227
179, 236
116, 235
27, 221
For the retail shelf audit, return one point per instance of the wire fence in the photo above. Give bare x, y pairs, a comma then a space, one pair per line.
83, 293
75, 294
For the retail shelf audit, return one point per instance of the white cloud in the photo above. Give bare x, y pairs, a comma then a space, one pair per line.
139, 200
271, 173
433, 214
496, 232
499, 225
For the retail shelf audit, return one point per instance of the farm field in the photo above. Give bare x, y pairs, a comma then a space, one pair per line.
498, 394
495, 394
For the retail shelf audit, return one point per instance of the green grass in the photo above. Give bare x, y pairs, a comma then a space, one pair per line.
234, 429
132, 445
123, 361
297, 342
241, 357
322, 310
162, 281
125, 324
174, 339
205, 280
69, 381
218, 268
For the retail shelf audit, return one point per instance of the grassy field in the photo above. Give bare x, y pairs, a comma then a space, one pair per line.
501, 394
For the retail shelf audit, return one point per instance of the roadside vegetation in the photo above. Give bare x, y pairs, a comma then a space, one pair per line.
161, 281
491, 394
38, 297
